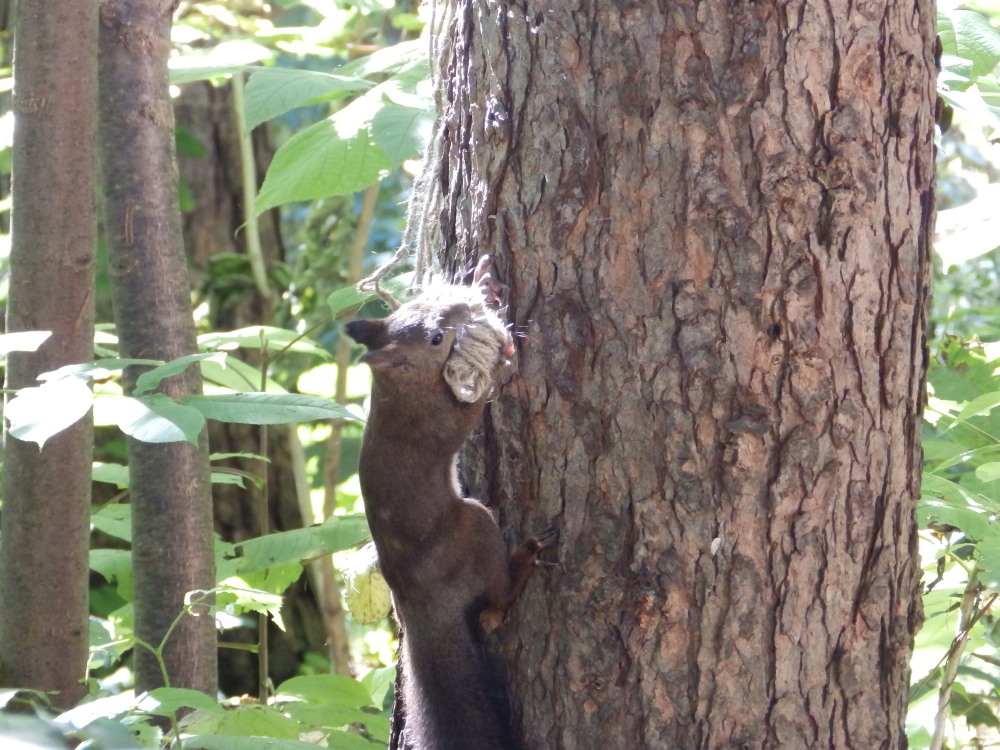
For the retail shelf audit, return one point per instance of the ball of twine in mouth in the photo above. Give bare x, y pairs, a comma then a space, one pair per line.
480, 347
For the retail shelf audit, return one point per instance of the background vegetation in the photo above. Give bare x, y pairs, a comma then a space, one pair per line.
338, 93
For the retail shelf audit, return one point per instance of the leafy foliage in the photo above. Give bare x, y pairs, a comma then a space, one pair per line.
956, 691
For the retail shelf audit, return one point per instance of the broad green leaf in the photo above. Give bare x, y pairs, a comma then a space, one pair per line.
392, 59
152, 419
335, 534
234, 594
164, 701
336, 156
402, 132
345, 298
333, 716
379, 684
272, 580
100, 369
988, 472
115, 474
338, 741
228, 477
941, 455
974, 525
148, 381
273, 91
36, 414
238, 454
243, 722
979, 405
256, 337
22, 341
325, 688
218, 60
969, 34
968, 231
236, 375
115, 565
266, 408
114, 520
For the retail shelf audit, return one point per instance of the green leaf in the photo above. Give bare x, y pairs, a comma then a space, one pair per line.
336, 156
273, 91
115, 474
219, 742
379, 683
346, 298
402, 132
156, 418
394, 59
266, 408
218, 60
988, 472
102, 368
164, 701
333, 716
239, 598
114, 520
335, 534
237, 375
244, 722
115, 565
969, 34
255, 337
36, 414
22, 341
149, 381
228, 477
272, 580
325, 689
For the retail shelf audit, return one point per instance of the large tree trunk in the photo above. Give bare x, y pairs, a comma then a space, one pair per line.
46, 494
170, 489
714, 219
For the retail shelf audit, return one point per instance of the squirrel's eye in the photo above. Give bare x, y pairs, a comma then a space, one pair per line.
437, 339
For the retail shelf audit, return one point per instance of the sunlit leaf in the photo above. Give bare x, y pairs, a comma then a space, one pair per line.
150, 380
273, 91
391, 59
266, 408
256, 337
336, 156
164, 701
338, 533
152, 419
402, 132
22, 341
114, 519
36, 414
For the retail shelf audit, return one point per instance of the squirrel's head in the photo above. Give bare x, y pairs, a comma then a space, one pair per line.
445, 336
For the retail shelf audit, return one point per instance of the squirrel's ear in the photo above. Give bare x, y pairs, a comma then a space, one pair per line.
367, 332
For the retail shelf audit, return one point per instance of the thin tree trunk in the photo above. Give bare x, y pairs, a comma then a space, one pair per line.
46, 494
714, 219
170, 489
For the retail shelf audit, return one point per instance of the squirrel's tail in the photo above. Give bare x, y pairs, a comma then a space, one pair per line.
453, 694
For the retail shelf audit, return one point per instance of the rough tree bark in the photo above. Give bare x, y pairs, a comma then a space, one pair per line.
46, 494
169, 483
714, 219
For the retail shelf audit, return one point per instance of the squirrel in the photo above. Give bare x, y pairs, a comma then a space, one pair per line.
443, 555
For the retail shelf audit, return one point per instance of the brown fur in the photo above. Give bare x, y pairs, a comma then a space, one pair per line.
442, 555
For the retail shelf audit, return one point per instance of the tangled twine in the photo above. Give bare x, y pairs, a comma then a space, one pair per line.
480, 343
